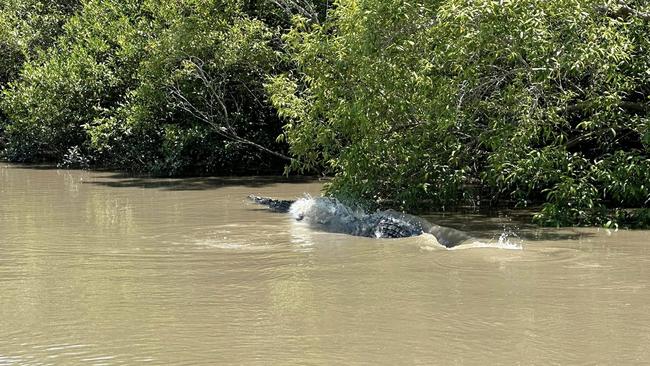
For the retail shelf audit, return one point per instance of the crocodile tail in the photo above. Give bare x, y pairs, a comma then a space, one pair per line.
273, 204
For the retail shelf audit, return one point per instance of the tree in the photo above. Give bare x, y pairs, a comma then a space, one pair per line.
437, 103
200, 102
26, 28
64, 88
120, 85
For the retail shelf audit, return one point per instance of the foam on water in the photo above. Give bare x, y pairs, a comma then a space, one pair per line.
508, 240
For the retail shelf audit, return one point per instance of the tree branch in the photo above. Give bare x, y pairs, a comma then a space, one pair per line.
302, 7
213, 98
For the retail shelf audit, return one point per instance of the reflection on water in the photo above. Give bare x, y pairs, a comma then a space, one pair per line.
96, 268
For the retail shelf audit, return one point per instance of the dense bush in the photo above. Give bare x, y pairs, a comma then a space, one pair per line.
129, 83
27, 27
421, 104
453, 102
202, 74
86, 75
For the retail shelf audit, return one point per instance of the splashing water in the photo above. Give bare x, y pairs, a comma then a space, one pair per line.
508, 240
331, 215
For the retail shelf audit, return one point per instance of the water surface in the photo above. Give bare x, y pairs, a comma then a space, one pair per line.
101, 269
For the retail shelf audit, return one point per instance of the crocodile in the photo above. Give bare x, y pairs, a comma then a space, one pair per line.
331, 215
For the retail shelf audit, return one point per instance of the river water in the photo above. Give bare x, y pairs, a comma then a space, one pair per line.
100, 269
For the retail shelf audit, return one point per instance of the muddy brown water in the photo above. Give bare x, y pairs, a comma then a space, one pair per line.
99, 269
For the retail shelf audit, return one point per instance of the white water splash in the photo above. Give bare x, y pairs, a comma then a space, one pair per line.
508, 240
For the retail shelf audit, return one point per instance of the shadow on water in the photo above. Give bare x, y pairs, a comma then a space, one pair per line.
114, 179
119, 180
32, 166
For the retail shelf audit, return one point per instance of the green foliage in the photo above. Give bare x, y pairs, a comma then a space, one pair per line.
121, 86
68, 86
353, 109
211, 62
420, 104
26, 28
445, 101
